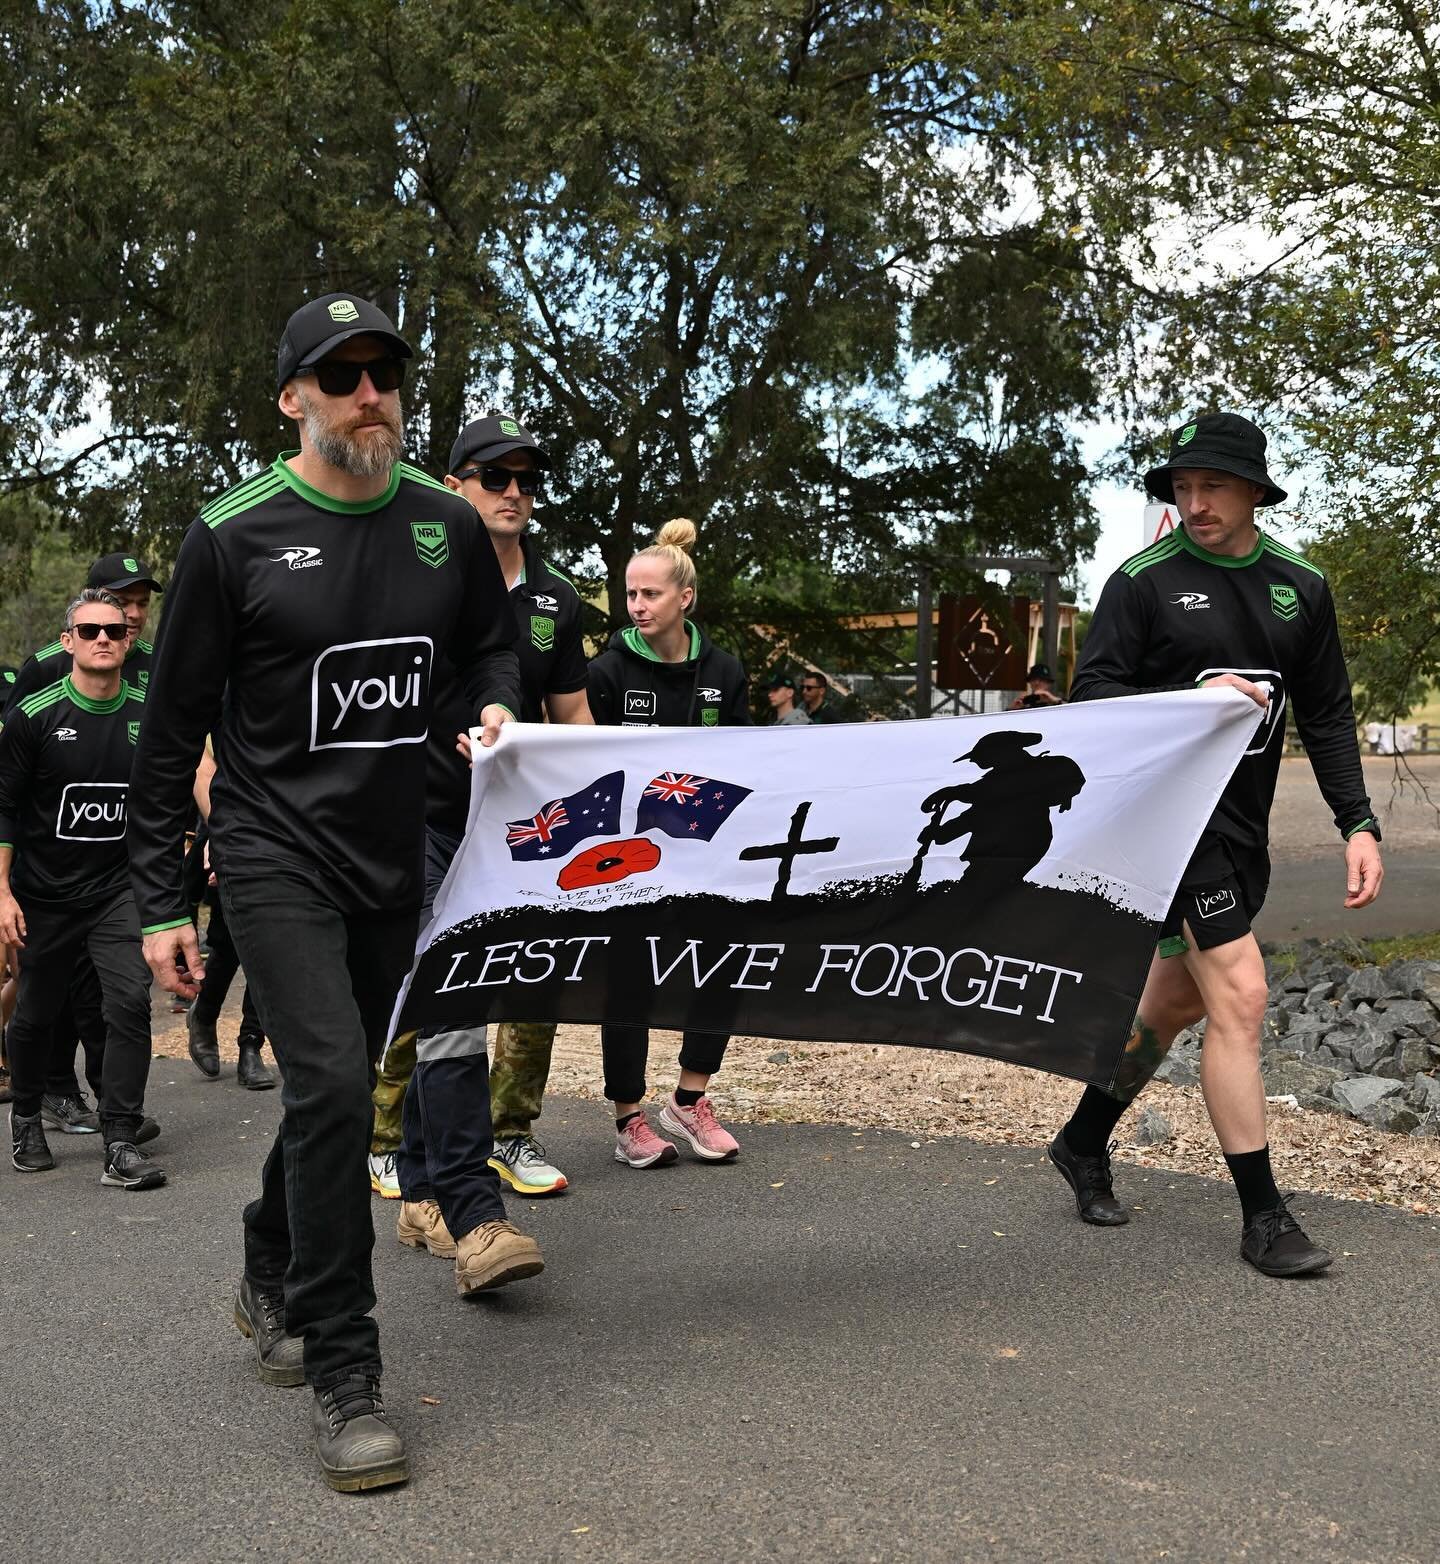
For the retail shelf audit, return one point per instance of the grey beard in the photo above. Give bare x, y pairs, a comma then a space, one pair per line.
368, 458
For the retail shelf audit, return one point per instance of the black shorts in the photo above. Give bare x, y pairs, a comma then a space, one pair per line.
1221, 893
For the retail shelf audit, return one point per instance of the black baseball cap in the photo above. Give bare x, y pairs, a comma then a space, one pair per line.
1225, 441
1040, 671
115, 572
781, 681
487, 438
319, 327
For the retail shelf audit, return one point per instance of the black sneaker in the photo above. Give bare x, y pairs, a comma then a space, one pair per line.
1089, 1177
357, 1447
148, 1130
1274, 1242
69, 1115
127, 1167
30, 1151
204, 1046
260, 1315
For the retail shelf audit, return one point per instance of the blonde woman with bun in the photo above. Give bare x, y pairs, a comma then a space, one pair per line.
662, 671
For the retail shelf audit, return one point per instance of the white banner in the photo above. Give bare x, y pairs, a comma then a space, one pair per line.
988, 884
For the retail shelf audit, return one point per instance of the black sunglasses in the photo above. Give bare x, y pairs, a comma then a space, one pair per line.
340, 377
89, 632
495, 480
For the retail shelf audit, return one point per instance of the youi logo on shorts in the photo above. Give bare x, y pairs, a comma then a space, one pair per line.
1210, 904
297, 558
371, 694
92, 812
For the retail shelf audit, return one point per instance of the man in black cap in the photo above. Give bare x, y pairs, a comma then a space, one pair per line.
1218, 602
1039, 690
445, 1155
781, 691
315, 598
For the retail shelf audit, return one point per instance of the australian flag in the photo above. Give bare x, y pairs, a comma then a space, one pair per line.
679, 803
558, 826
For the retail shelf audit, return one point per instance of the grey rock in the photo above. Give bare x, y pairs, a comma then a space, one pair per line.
1276, 1022
1294, 982
1369, 983
1389, 1070
1417, 979
1429, 1126
1344, 951
1369, 1048
1408, 1012
1306, 1031
1317, 992
778, 1057
1317, 1102
1291, 1004
1152, 1128
1315, 972
1364, 1008
1296, 1076
1179, 1069
1271, 1057
1328, 1057
1393, 1116
1359, 1093
1187, 1040
1424, 1093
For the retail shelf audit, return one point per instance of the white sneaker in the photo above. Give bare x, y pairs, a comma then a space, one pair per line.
382, 1175
521, 1161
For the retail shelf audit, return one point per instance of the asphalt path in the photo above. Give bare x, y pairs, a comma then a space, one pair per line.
844, 1347
1306, 898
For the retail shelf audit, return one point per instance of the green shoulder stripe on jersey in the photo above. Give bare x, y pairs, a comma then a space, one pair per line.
53, 650
34, 704
416, 475
242, 497
143, 646
1281, 552
566, 579
132, 692
1168, 545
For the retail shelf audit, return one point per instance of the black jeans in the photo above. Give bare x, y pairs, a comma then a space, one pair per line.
625, 1050
109, 933
324, 981
82, 1017
221, 969
445, 1118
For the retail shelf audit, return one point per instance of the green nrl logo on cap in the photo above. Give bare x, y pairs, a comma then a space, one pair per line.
134, 730
1186, 435
132, 567
509, 426
431, 543
1284, 602
542, 633
342, 310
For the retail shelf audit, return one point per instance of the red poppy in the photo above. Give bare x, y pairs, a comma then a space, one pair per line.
609, 862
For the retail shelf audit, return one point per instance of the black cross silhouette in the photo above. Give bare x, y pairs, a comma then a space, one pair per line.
790, 849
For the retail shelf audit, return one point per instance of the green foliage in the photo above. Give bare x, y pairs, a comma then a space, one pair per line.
40, 571
749, 262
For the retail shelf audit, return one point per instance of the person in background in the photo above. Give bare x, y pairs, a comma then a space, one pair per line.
814, 692
781, 691
1039, 690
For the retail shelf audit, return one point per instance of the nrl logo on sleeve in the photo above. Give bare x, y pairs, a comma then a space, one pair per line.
1284, 602
133, 728
371, 694
431, 543
542, 633
144, 677
342, 310
92, 812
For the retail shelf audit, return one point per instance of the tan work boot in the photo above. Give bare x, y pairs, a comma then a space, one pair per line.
421, 1226
495, 1253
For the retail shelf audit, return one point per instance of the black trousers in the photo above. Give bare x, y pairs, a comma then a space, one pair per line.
109, 933
324, 981
82, 1017
445, 1118
625, 1051
220, 972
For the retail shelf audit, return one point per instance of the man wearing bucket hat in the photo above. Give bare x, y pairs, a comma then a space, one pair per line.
1220, 602
306, 611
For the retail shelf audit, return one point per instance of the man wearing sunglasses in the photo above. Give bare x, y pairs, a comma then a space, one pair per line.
316, 599
448, 1176
814, 687
65, 761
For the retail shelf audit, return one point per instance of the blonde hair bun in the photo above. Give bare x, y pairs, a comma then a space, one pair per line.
679, 533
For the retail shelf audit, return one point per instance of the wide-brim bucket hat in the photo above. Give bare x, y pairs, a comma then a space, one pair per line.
1225, 442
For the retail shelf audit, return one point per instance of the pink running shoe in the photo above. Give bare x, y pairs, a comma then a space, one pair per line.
708, 1137
641, 1147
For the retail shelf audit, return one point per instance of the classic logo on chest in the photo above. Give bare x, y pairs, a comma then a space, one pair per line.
1190, 601
371, 694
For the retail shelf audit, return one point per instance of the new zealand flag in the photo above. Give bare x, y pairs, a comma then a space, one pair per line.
682, 804
561, 824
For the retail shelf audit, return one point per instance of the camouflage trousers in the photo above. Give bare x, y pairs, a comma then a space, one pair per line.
519, 1068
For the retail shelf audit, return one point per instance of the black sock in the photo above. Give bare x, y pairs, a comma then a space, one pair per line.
687, 1098
621, 1123
1254, 1182
1093, 1121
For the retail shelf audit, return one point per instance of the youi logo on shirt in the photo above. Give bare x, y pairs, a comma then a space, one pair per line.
92, 812
1274, 713
371, 694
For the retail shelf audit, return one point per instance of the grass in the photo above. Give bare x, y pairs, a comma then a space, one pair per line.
1376, 952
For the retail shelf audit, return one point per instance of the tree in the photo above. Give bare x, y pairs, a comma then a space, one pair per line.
676, 237
1261, 182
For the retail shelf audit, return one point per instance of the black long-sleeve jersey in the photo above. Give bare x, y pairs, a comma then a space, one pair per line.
631, 688
551, 651
41, 669
65, 763
325, 619
1175, 615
